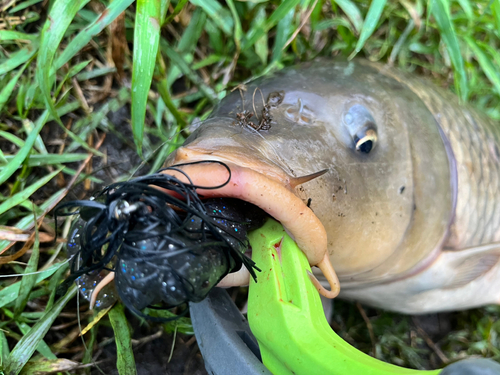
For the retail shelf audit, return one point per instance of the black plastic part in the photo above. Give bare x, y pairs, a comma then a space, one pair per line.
473, 366
224, 337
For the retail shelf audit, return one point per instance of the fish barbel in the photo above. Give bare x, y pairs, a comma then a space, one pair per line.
408, 211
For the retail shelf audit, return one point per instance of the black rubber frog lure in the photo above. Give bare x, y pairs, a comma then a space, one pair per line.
161, 242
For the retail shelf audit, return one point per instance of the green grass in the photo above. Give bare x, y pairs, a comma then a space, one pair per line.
65, 65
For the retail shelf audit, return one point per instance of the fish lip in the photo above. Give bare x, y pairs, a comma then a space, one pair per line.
269, 169
258, 186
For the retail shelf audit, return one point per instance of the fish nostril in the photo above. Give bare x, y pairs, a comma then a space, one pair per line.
348, 119
305, 119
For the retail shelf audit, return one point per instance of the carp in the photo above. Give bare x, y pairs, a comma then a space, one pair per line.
380, 174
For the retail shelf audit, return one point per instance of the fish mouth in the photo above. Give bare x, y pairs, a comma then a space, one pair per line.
222, 178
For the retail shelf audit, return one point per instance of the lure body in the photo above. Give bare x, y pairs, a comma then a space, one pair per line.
410, 204
160, 243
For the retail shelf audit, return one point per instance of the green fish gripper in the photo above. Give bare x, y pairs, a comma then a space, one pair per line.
287, 318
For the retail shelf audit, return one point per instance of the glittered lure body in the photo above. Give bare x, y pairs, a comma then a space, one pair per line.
148, 279
159, 241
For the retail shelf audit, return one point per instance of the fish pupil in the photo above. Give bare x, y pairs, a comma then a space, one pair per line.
366, 147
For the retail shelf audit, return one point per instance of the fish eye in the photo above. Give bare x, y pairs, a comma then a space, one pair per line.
362, 128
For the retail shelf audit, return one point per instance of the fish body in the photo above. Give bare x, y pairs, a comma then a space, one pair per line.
409, 204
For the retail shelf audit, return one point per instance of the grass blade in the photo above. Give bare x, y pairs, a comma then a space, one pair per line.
4, 348
238, 33
18, 58
87, 357
27, 192
39, 145
3, 160
24, 5
441, 12
146, 39
125, 362
401, 40
25, 150
164, 7
94, 321
42, 346
54, 282
181, 324
261, 45
186, 46
221, 16
25, 348
28, 281
58, 20
51, 159
80, 141
12, 138
95, 73
495, 9
162, 87
177, 10
28, 223
193, 32
50, 366
74, 70
188, 72
369, 25
486, 64
281, 11
467, 7
9, 87
16, 35
283, 32
114, 9
352, 12
11, 292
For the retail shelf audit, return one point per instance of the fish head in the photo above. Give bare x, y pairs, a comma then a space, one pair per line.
384, 155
